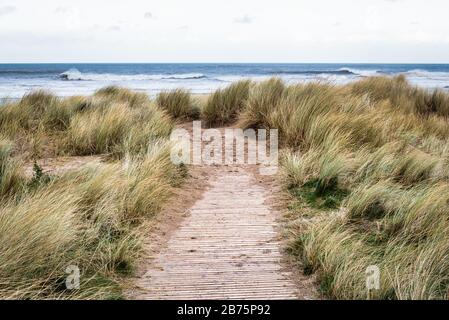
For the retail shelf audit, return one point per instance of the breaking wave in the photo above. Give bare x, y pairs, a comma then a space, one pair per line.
339, 72
427, 74
75, 75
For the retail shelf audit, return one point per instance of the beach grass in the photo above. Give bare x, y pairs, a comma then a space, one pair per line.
11, 178
91, 217
224, 105
178, 104
366, 166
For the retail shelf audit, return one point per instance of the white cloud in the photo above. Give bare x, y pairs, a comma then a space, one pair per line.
114, 28
260, 31
62, 9
244, 19
7, 10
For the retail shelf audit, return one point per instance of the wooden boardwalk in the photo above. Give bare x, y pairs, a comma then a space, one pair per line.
226, 248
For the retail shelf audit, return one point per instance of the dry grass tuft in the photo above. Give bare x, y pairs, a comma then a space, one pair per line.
366, 165
11, 178
90, 217
224, 105
178, 104
368, 168
264, 98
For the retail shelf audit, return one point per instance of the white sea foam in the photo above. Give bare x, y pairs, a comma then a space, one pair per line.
75, 75
13, 84
427, 74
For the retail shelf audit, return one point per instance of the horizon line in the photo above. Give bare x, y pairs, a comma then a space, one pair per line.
354, 63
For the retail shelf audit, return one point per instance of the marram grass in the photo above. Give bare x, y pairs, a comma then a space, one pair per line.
367, 169
90, 217
366, 165
224, 105
178, 104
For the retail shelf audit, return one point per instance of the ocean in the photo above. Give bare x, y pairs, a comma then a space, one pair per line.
83, 79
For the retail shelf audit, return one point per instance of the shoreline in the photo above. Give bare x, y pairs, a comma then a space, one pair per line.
7, 99
67, 80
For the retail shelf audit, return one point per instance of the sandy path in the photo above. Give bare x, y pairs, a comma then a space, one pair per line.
220, 240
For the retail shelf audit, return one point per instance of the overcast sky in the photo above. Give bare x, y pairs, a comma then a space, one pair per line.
224, 31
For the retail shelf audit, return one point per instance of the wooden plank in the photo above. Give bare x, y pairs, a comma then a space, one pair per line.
226, 248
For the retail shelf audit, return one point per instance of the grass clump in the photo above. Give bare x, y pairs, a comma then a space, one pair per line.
89, 218
116, 129
11, 178
318, 197
178, 104
264, 98
367, 166
402, 95
224, 105
117, 95
92, 217
29, 113
106, 122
